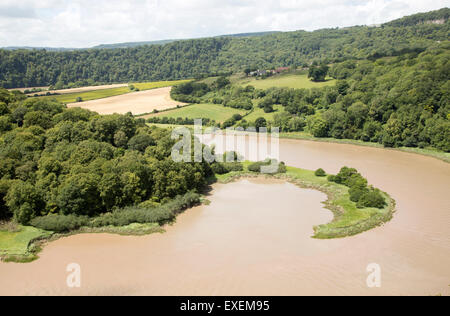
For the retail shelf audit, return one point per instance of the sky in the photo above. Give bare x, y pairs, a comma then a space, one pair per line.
86, 23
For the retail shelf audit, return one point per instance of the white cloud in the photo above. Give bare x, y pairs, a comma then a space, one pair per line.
84, 23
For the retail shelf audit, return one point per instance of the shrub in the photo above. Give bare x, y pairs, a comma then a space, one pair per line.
234, 166
256, 167
373, 198
219, 168
227, 167
359, 191
60, 223
122, 217
320, 173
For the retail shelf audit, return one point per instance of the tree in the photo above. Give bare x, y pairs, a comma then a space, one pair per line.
268, 109
318, 73
318, 127
320, 173
140, 142
79, 194
120, 139
260, 123
221, 83
23, 201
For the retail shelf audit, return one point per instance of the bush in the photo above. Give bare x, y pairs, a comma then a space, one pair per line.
60, 223
359, 191
256, 167
227, 167
320, 173
122, 217
373, 198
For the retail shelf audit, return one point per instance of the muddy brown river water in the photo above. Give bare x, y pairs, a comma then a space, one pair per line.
254, 239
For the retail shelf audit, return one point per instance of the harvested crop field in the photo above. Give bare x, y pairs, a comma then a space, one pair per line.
136, 102
84, 89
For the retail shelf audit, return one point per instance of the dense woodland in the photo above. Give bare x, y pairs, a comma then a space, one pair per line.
55, 160
395, 101
192, 58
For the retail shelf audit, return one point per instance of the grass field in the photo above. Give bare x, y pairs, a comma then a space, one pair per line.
106, 93
16, 245
159, 84
293, 81
214, 112
257, 113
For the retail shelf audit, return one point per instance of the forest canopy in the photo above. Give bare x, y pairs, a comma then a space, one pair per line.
73, 162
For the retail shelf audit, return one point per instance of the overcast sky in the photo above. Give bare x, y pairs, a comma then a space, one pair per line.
85, 23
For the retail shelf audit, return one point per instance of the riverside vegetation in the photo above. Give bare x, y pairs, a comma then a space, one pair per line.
65, 170
71, 170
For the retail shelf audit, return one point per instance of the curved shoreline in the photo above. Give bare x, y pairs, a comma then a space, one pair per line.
445, 157
338, 203
433, 153
337, 196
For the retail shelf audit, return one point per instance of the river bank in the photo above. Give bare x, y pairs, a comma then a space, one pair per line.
348, 219
414, 150
268, 226
429, 152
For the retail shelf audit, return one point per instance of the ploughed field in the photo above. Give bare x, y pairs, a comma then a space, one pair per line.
137, 98
137, 102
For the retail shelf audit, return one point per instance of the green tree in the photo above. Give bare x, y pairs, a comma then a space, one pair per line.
260, 123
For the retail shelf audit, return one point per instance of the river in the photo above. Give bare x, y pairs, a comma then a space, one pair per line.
255, 239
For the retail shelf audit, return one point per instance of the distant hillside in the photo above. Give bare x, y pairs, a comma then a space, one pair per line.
132, 44
50, 49
434, 17
129, 44
230, 53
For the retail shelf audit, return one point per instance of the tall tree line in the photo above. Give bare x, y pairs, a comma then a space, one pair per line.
190, 58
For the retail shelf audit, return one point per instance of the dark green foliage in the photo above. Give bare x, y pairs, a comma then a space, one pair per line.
60, 223
227, 167
359, 191
318, 73
256, 167
4, 210
122, 217
73, 162
268, 109
189, 92
260, 123
372, 198
320, 173
140, 142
